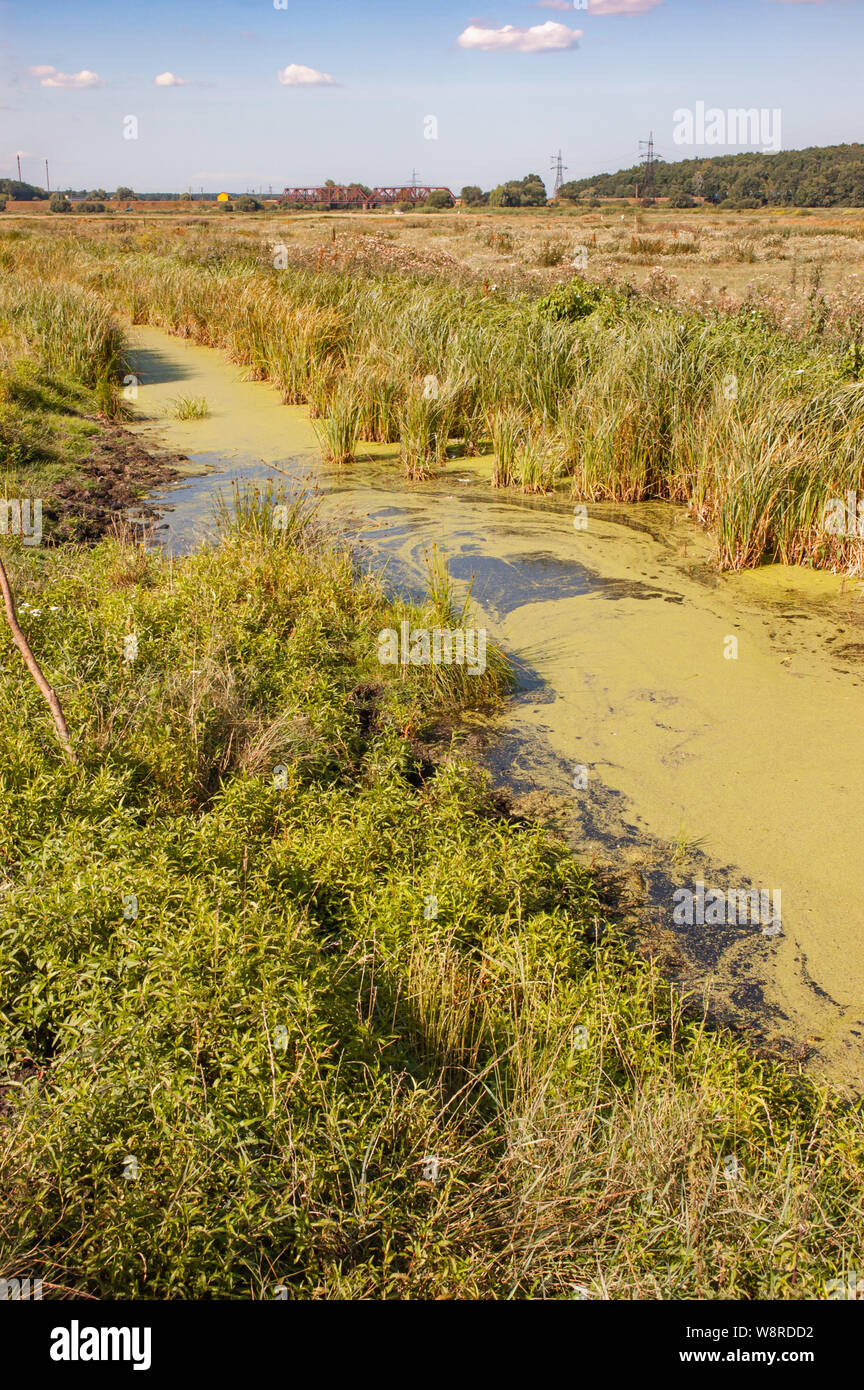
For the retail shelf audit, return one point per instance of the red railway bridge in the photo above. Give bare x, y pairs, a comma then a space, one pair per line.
351, 195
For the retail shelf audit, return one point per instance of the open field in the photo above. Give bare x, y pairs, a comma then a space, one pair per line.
780, 251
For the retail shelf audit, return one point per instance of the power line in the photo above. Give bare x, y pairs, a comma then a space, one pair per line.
648, 160
558, 166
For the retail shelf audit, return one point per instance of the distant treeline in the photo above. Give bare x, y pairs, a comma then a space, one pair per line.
819, 177
29, 192
527, 192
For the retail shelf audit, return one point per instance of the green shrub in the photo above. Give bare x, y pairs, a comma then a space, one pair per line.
578, 299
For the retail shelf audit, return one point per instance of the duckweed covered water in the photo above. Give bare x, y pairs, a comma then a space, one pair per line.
700, 764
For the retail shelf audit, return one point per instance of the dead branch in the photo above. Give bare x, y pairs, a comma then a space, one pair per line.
33, 666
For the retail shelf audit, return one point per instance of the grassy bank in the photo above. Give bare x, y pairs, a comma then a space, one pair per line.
61, 410
330, 975
60, 357
628, 396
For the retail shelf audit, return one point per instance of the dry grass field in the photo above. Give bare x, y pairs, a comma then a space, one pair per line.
775, 251
687, 254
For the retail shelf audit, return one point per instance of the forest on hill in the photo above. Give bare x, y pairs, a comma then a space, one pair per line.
819, 177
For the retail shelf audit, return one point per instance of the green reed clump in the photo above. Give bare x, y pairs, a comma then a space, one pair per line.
507, 432
72, 329
267, 512
536, 467
338, 429
472, 671
320, 393
70, 336
425, 421
190, 408
378, 394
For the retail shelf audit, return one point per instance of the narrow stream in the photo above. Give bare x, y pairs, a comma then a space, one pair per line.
700, 764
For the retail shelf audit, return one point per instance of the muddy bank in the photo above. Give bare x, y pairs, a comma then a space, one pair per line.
117, 476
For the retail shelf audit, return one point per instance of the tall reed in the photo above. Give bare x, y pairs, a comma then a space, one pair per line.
338, 430
753, 431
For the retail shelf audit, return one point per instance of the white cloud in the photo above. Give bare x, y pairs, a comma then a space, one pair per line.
167, 79
540, 38
50, 77
296, 75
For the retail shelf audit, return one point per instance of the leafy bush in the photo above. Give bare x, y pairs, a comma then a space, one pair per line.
578, 298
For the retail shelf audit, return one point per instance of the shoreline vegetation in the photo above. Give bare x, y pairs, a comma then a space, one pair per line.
283, 1004
619, 396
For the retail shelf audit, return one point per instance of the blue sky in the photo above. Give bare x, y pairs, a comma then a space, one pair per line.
507, 84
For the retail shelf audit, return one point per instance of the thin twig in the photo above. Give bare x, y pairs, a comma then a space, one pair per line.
33, 666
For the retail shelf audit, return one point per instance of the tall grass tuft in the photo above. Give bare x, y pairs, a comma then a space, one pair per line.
338, 429
424, 423
536, 467
453, 686
507, 431
266, 514
190, 408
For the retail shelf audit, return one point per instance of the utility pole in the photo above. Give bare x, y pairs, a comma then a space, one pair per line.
648, 161
18, 157
47, 180
558, 166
